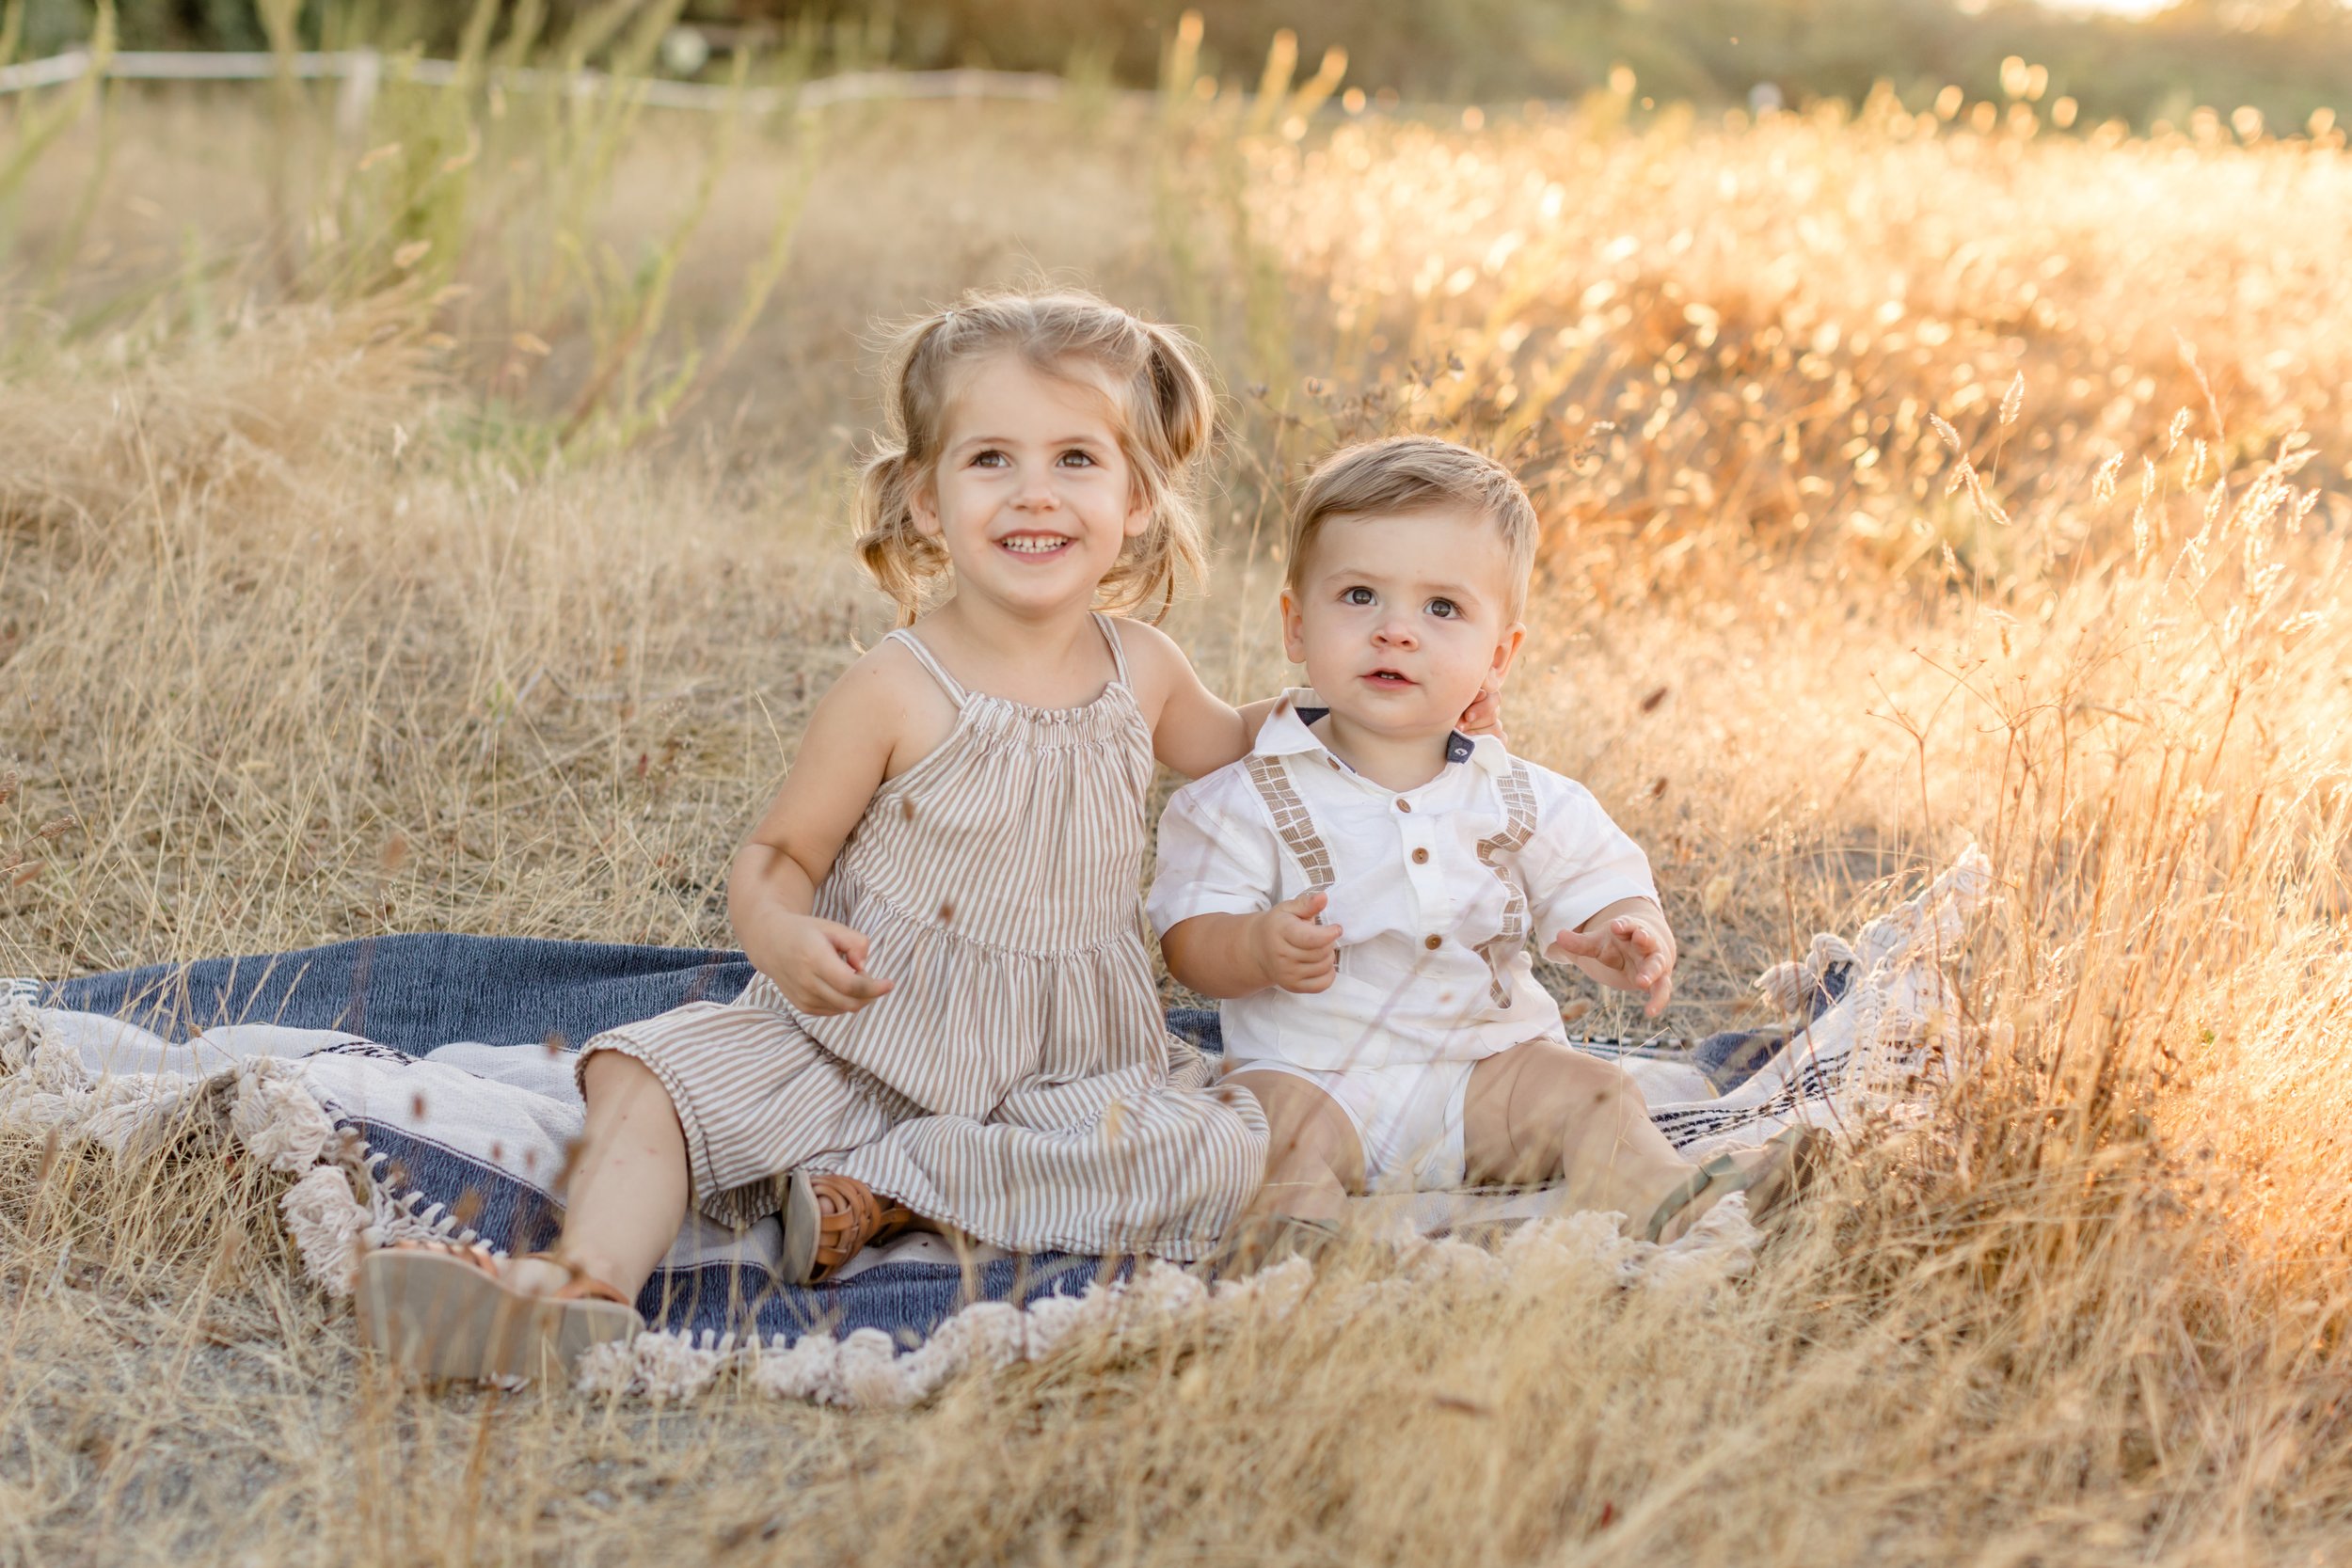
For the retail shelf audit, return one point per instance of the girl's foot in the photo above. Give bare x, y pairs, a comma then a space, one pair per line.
443, 1311
829, 1219
1771, 1175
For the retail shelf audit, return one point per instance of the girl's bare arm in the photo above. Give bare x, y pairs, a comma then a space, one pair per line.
844, 754
1194, 730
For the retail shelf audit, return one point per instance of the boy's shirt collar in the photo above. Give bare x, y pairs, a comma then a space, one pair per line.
1285, 733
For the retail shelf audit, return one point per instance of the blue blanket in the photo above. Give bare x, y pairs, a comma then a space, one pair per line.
389, 1010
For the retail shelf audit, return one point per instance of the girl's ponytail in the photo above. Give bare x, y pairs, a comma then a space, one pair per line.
1174, 421
897, 555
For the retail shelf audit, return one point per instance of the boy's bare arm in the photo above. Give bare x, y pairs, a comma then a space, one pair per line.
1626, 945
1232, 956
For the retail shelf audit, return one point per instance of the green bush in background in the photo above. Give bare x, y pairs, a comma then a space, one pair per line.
2285, 57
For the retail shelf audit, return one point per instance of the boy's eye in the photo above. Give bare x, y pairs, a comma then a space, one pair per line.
1444, 609
1355, 595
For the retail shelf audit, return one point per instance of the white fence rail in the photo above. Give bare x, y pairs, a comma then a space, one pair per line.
363, 70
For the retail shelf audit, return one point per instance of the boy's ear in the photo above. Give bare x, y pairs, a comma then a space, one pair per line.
1293, 629
1507, 649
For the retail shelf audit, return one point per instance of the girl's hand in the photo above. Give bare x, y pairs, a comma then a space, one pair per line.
820, 965
1484, 716
1296, 951
1625, 955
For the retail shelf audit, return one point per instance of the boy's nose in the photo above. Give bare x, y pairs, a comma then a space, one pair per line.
1395, 634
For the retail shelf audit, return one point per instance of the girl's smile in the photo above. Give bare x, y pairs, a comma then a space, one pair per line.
1035, 543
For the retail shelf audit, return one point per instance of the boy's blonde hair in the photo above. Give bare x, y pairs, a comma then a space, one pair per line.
1166, 414
1406, 474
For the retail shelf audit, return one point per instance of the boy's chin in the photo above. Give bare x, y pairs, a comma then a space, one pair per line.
1405, 716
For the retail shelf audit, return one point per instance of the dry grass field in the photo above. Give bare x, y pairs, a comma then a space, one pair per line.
1906, 481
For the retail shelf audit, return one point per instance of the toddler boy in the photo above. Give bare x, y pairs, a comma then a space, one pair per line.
1360, 890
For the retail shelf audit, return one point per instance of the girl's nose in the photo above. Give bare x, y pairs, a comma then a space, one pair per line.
1035, 493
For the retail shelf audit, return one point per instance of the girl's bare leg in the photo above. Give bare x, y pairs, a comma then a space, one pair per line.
1540, 1111
1314, 1157
626, 1195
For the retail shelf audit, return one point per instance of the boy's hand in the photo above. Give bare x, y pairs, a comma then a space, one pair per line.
1626, 955
1484, 716
820, 965
1297, 952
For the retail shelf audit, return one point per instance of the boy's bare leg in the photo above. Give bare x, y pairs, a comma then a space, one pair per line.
626, 1195
1542, 1111
1314, 1157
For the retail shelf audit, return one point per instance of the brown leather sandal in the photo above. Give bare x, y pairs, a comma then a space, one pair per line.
829, 1219
444, 1312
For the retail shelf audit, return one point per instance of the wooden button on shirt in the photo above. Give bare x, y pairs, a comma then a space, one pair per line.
1437, 896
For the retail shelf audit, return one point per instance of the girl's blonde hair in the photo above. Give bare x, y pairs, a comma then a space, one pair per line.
1166, 415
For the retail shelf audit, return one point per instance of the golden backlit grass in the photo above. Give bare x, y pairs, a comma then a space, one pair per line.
303, 639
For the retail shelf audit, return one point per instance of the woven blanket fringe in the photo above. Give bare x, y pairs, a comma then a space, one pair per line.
335, 1209
866, 1371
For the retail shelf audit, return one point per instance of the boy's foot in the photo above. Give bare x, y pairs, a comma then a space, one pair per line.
1263, 1242
1788, 1162
830, 1219
443, 1311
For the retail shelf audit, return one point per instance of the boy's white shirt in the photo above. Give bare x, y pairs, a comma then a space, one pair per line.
1510, 847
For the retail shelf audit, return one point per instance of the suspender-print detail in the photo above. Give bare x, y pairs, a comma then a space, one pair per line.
1291, 820
1518, 790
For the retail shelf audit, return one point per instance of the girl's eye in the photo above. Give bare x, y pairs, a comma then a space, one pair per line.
1355, 595
1444, 609
991, 458
1082, 459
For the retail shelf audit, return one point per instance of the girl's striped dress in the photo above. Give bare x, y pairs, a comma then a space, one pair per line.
1019, 1082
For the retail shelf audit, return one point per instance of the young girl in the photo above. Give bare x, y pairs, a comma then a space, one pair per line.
954, 1023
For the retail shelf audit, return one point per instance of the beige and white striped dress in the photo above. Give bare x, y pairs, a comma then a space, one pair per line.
1019, 1082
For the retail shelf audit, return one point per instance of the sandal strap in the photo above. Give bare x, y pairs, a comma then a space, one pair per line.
581, 1286
1686, 1192
473, 1253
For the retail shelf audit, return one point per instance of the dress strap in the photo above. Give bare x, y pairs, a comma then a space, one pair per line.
1109, 630
930, 661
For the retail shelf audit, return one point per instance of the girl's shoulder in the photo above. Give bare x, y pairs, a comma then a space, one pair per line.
887, 688
887, 700
1154, 658
887, 669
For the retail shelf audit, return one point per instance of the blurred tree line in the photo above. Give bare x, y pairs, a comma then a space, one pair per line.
2285, 57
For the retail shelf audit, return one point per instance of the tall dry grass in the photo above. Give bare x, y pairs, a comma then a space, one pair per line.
297, 641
